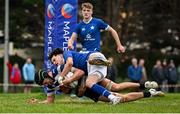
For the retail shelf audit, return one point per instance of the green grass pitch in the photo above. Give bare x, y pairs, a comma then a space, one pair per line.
16, 103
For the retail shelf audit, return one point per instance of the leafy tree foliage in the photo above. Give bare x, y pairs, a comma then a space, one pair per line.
26, 21
155, 22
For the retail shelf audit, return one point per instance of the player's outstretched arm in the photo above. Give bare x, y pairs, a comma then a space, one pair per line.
71, 41
120, 47
77, 74
49, 99
67, 67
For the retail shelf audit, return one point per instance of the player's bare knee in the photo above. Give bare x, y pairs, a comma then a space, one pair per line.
115, 87
89, 83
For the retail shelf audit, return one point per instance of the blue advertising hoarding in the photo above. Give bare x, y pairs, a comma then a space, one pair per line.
60, 19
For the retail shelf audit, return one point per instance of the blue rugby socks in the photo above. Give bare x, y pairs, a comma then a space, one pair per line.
104, 92
100, 90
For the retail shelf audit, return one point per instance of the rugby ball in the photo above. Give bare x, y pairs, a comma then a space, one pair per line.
73, 84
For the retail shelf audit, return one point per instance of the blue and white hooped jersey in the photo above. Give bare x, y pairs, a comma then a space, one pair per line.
90, 33
51, 89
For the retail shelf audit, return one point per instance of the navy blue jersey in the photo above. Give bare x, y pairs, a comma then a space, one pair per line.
79, 59
90, 33
51, 89
56, 70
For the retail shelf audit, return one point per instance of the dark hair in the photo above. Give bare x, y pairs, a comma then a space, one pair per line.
40, 76
55, 52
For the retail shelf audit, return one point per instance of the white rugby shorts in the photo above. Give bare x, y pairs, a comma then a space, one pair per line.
97, 69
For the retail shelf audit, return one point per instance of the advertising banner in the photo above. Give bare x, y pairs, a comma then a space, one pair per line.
60, 19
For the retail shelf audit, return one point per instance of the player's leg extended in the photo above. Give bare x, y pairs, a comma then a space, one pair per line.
138, 95
131, 96
124, 85
96, 74
112, 86
91, 83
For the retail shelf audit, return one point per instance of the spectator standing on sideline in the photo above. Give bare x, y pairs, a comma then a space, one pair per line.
178, 70
158, 74
172, 76
144, 73
89, 31
15, 76
9, 65
112, 70
28, 74
165, 68
165, 71
135, 71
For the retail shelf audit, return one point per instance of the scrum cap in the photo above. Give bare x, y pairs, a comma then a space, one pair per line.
40, 76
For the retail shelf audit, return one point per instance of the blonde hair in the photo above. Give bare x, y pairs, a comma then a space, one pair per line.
87, 5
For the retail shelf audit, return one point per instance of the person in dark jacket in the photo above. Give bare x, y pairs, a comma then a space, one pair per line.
158, 73
172, 76
112, 70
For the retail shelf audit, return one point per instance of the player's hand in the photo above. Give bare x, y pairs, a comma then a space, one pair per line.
121, 49
60, 80
66, 81
70, 45
44, 102
32, 101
